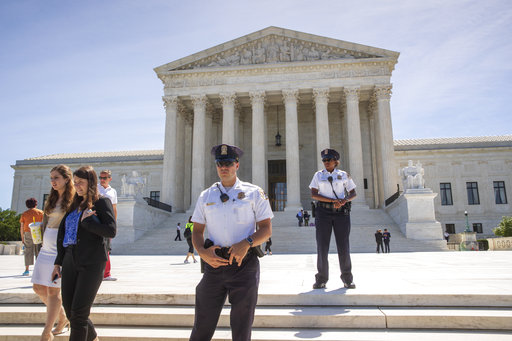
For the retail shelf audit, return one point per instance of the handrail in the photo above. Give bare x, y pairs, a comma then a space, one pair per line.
393, 197
158, 204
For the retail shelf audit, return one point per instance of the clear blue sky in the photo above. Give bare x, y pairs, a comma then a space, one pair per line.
77, 76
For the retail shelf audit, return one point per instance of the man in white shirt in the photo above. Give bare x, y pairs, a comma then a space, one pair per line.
106, 191
230, 210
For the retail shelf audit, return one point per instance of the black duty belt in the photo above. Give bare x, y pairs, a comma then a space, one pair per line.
345, 209
328, 205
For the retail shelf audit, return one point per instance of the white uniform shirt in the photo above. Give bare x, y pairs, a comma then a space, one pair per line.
108, 192
234, 220
340, 181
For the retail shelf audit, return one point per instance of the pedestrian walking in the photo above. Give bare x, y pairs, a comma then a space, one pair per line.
178, 232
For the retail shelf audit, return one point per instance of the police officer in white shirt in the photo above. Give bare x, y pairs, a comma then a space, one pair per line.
230, 210
328, 187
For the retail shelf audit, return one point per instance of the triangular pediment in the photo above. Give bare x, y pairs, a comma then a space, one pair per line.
274, 45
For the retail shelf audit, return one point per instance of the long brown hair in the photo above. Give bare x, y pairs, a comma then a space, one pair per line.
69, 191
87, 173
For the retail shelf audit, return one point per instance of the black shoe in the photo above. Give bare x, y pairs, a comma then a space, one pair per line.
349, 286
319, 285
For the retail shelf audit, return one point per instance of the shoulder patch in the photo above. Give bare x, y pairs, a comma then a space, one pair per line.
263, 194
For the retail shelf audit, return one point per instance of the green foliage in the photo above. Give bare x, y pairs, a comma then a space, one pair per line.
9, 225
504, 229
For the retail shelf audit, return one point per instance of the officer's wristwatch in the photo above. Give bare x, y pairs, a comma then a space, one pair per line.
249, 240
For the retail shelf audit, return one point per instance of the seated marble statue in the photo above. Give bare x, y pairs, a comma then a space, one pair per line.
412, 176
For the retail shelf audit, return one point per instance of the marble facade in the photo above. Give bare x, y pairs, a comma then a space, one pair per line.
330, 93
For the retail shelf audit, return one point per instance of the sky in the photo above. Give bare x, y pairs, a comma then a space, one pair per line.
77, 76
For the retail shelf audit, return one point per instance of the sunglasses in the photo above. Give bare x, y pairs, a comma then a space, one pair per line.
326, 160
225, 163
103, 177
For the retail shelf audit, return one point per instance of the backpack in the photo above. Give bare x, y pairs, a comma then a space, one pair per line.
187, 233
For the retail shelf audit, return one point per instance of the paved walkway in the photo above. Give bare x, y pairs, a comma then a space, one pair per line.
430, 278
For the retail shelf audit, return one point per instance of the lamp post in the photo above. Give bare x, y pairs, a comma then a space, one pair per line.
278, 136
467, 222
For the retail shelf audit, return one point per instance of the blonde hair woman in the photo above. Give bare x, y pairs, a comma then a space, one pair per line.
58, 202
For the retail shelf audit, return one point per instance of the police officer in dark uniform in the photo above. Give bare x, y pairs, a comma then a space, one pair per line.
329, 187
230, 209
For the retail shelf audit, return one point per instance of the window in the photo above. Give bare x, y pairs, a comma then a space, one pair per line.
365, 182
154, 195
477, 227
446, 194
473, 198
500, 196
450, 228
45, 196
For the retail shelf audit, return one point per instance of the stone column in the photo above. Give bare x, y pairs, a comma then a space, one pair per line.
238, 111
187, 164
180, 163
321, 97
198, 148
228, 117
388, 168
169, 166
258, 138
291, 97
373, 149
355, 150
209, 138
379, 180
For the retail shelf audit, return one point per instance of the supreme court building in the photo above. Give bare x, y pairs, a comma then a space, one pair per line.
283, 96
312, 92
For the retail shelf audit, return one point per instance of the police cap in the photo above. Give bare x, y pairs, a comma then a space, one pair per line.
330, 154
225, 152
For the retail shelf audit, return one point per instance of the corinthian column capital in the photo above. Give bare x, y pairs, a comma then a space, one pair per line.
383, 91
228, 98
291, 94
199, 100
257, 96
321, 94
170, 101
351, 93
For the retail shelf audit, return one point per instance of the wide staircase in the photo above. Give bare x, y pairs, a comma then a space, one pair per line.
288, 237
131, 309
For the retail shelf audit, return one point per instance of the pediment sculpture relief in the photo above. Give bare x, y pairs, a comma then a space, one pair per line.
275, 49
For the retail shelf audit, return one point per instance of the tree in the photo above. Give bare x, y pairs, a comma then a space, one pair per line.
504, 229
9, 225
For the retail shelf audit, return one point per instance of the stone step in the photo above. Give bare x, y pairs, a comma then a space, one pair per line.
336, 297
324, 317
183, 316
290, 239
124, 333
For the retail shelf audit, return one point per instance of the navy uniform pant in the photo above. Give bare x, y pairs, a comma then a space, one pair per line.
240, 284
326, 222
80, 283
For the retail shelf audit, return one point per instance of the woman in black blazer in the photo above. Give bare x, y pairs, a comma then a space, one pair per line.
82, 252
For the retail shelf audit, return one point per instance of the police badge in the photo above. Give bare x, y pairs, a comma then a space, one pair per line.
241, 195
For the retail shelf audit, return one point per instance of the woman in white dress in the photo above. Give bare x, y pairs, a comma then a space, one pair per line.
59, 200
